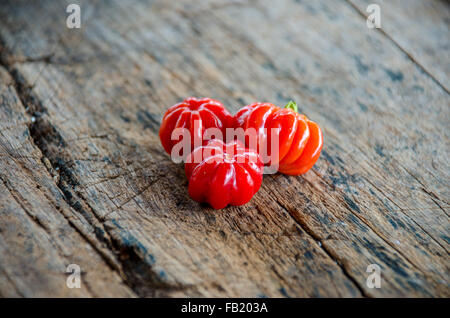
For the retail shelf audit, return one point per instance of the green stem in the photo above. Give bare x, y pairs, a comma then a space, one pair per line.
292, 105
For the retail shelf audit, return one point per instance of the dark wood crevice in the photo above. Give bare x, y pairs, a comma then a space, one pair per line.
327, 251
46, 138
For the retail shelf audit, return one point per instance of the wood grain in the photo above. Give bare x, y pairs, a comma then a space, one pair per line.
421, 30
80, 116
40, 234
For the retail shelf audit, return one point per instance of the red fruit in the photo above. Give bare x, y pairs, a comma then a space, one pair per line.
208, 112
223, 174
300, 140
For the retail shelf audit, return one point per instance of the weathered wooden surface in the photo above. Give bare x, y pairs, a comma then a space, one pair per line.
85, 180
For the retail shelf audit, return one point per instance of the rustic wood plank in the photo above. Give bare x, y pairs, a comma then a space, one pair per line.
379, 194
40, 235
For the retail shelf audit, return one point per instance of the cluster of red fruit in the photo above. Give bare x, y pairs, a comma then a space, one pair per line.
231, 173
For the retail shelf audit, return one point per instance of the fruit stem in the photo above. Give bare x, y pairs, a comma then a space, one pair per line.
292, 105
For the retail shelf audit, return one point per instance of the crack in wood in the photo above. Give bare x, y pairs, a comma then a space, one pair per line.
403, 50
328, 252
44, 135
